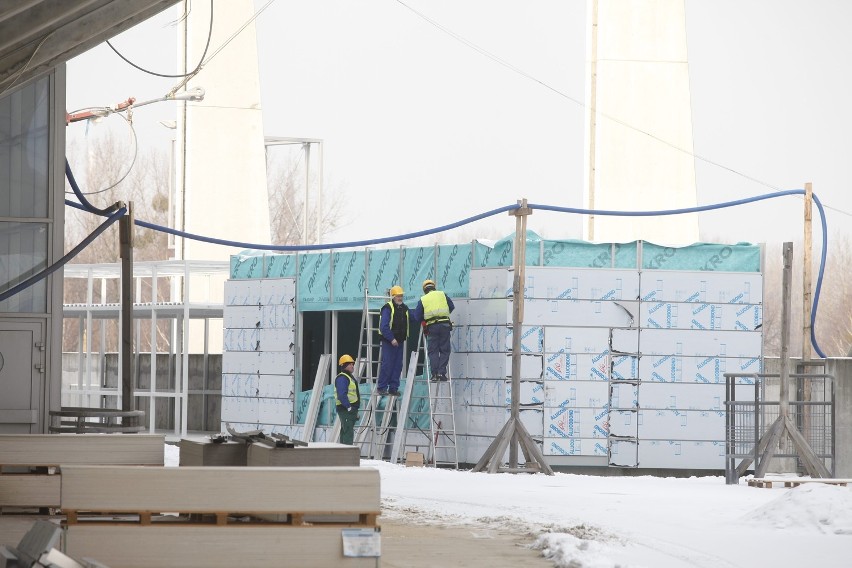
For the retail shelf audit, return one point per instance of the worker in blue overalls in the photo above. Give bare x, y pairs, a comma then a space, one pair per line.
434, 309
393, 327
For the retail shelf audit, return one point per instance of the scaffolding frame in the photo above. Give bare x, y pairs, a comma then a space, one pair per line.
184, 279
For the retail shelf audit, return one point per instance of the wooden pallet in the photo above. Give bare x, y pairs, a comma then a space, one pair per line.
226, 516
240, 518
29, 463
766, 483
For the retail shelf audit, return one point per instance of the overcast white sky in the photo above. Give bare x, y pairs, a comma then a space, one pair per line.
409, 113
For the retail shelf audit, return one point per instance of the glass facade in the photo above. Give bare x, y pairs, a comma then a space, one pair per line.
24, 193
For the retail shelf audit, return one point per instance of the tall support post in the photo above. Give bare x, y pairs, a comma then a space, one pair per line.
125, 237
514, 433
783, 424
806, 275
804, 418
786, 294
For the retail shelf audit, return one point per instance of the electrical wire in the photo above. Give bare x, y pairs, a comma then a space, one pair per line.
5, 295
27, 64
167, 75
221, 47
582, 104
129, 168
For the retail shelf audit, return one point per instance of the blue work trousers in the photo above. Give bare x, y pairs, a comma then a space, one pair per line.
438, 348
391, 367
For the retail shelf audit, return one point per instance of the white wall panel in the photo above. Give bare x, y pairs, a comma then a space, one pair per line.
672, 424
576, 339
583, 367
711, 370
488, 312
704, 287
278, 316
558, 394
623, 453
531, 392
625, 395
240, 339
700, 343
590, 313
276, 291
581, 284
242, 317
490, 282
532, 419
678, 454
623, 423
240, 409
574, 447
576, 422
242, 292
275, 411
532, 339
728, 317
276, 386
242, 385
276, 363
276, 339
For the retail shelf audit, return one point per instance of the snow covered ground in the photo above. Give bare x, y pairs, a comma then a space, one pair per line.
582, 521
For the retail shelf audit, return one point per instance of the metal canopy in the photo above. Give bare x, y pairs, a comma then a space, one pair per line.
37, 35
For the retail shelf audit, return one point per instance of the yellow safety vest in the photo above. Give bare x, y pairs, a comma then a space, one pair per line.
435, 307
352, 393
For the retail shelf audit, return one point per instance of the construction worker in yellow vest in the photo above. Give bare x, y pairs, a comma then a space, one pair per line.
347, 397
434, 309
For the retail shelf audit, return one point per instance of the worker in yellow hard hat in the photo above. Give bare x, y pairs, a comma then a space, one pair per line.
393, 327
347, 398
434, 309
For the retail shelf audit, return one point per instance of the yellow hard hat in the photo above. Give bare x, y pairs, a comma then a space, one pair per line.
344, 359
396, 291
428, 284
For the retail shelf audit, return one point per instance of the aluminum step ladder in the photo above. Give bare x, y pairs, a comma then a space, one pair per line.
434, 407
375, 419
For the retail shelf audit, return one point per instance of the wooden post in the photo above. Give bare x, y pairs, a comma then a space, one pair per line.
125, 237
518, 317
787, 277
806, 276
513, 433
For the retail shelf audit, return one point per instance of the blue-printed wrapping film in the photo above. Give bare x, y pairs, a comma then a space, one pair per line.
349, 280
280, 265
418, 264
743, 257
383, 271
246, 265
454, 270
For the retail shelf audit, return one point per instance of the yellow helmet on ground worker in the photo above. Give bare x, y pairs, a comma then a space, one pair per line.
428, 285
345, 360
397, 291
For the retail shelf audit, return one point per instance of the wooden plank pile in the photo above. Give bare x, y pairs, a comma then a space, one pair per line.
766, 483
29, 463
216, 516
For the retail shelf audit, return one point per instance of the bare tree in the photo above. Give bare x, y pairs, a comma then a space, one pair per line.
285, 185
111, 172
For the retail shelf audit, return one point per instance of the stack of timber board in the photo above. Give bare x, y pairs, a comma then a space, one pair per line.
315, 454
95, 497
206, 452
23, 453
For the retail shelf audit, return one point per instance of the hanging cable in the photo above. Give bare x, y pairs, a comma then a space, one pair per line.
179, 75
115, 216
129, 168
88, 206
576, 210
